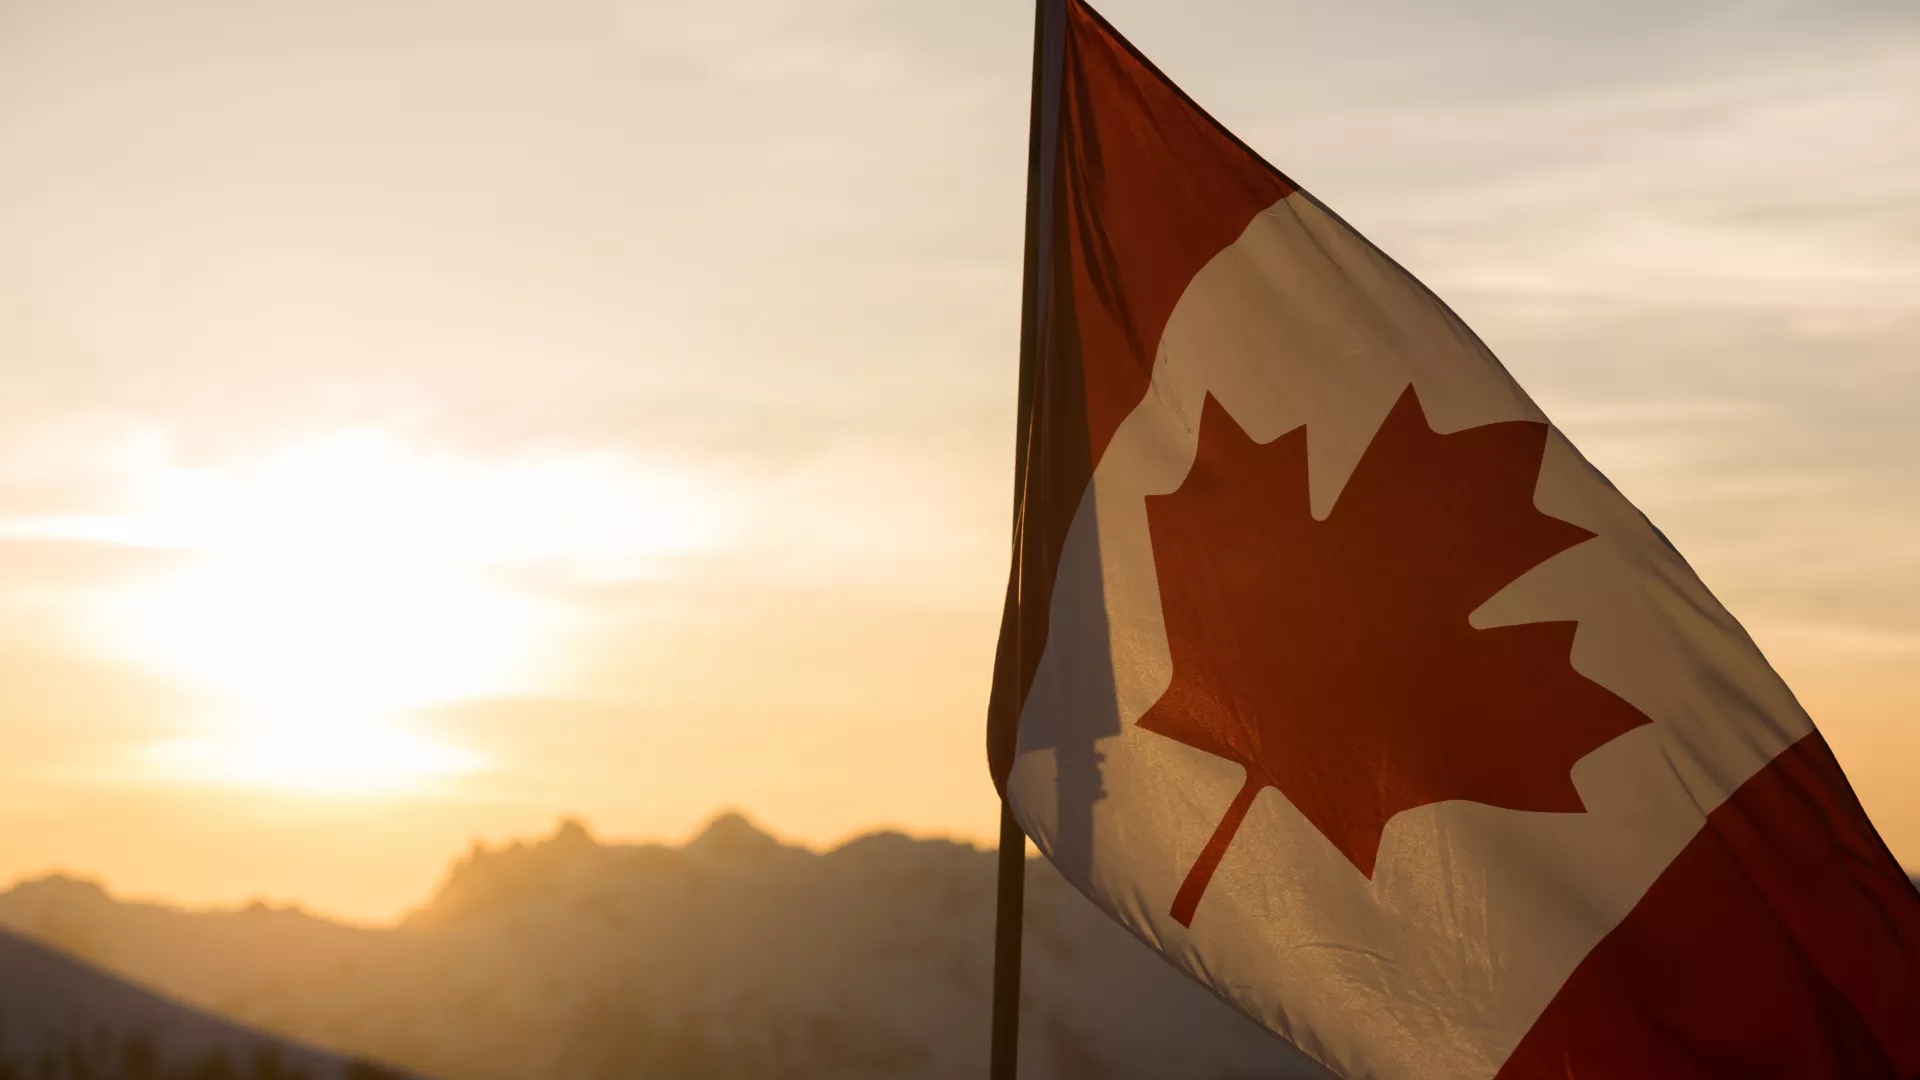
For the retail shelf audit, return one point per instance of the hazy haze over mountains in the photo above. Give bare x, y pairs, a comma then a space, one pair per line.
732, 956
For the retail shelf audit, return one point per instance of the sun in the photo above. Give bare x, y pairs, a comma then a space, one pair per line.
326, 595
314, 656
314, 629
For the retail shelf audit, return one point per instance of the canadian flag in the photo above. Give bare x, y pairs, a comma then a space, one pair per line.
1333, 671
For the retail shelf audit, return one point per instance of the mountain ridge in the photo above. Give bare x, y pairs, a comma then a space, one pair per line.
730, 955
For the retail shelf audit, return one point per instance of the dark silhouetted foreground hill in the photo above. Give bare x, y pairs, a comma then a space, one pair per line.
60, 1019
731, 957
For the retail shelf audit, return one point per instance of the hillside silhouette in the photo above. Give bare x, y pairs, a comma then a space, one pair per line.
731, 956
62, 1019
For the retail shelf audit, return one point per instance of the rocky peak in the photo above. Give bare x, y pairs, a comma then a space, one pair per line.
731, 837
491, 879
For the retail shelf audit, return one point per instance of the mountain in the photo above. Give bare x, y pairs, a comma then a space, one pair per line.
731, 956
62, 1019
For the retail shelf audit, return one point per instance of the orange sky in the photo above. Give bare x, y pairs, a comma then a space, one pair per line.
424, 419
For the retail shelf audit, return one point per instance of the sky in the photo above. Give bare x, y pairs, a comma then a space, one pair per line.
421, 419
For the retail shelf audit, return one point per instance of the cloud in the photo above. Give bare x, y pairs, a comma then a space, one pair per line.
1789, 186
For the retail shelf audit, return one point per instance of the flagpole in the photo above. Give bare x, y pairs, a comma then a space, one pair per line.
1049, 37
1005, 1048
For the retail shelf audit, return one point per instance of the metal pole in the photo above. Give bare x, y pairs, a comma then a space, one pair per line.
1004, 1051
1006, 947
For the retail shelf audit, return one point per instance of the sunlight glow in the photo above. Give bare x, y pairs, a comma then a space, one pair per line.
307, 630
329, 591
329, 759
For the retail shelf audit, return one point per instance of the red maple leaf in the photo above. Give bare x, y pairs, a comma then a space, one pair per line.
1333, 659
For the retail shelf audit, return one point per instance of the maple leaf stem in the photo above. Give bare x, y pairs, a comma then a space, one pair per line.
1188, 898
